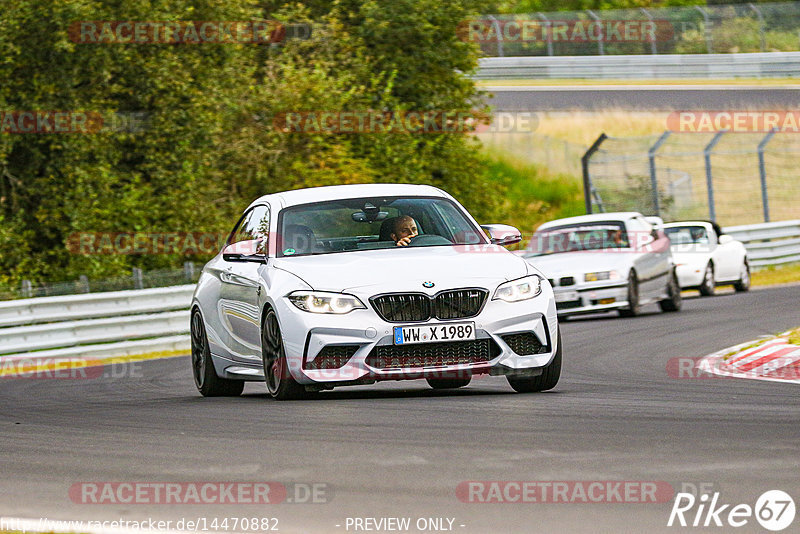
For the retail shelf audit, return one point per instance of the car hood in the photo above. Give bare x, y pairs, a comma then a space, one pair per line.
579, 262
405, 269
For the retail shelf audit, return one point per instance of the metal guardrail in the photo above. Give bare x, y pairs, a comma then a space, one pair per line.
96, 325
755, 65
773, 243
93, 305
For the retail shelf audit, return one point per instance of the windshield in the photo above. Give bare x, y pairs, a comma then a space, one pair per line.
682, 235
586, 236
373, 223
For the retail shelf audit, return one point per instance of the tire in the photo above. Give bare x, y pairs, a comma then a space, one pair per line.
709, 285
634, 308
280, 383
743, 284
547, 380
205, 377
673, 303
448, 383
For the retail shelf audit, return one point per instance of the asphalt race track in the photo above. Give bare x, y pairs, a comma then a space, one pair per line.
642, 98
401, 449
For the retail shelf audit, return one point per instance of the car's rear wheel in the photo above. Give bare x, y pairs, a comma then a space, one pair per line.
673, 302
448, 383
634, 308
709, 285
547, 380
205, 377
280, 383
743, 284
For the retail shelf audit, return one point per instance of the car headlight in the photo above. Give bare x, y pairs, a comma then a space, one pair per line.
601, 275
324, 302
521, 289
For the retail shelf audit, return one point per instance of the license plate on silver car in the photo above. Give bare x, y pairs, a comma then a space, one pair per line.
433, 333
566, 296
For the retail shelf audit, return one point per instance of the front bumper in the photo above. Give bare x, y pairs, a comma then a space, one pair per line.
591, 297
306, 335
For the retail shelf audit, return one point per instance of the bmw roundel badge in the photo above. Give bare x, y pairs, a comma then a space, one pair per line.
427, 284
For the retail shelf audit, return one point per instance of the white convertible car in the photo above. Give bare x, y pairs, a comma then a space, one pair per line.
606, 261
346, 285
706, 257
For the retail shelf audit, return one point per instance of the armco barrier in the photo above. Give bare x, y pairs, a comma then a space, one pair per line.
96, 325
772, 243
91, 305
757, 65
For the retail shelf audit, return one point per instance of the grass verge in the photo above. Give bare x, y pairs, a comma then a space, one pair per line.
771, 276
794, 336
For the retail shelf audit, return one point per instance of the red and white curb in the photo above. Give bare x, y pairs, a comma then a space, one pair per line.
775, 360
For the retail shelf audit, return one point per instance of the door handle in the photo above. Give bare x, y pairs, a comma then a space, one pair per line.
235, 279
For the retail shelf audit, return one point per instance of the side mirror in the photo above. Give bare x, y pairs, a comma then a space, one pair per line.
725, 239
249, 250
657, 222
502, 234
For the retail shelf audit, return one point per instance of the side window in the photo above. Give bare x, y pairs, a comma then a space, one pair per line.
253, 231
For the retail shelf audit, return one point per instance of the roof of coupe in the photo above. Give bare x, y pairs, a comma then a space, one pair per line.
595, 217
679, 224
336, 192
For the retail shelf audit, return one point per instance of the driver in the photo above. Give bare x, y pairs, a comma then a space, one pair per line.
404, 229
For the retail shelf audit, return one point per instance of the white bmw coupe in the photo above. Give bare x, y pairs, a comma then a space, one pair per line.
347, 285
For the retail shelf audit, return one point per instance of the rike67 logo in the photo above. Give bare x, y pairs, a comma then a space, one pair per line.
774, 510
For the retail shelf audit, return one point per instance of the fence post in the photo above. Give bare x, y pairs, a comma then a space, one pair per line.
712, 214
188, 270
499, 33
706, 30
651, 156
27, 289
548, 28
762, 171
653, 48
762, 39
587, 181
84, 282
600, 35
138, 279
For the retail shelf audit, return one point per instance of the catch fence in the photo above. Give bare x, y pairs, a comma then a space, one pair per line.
732, 178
